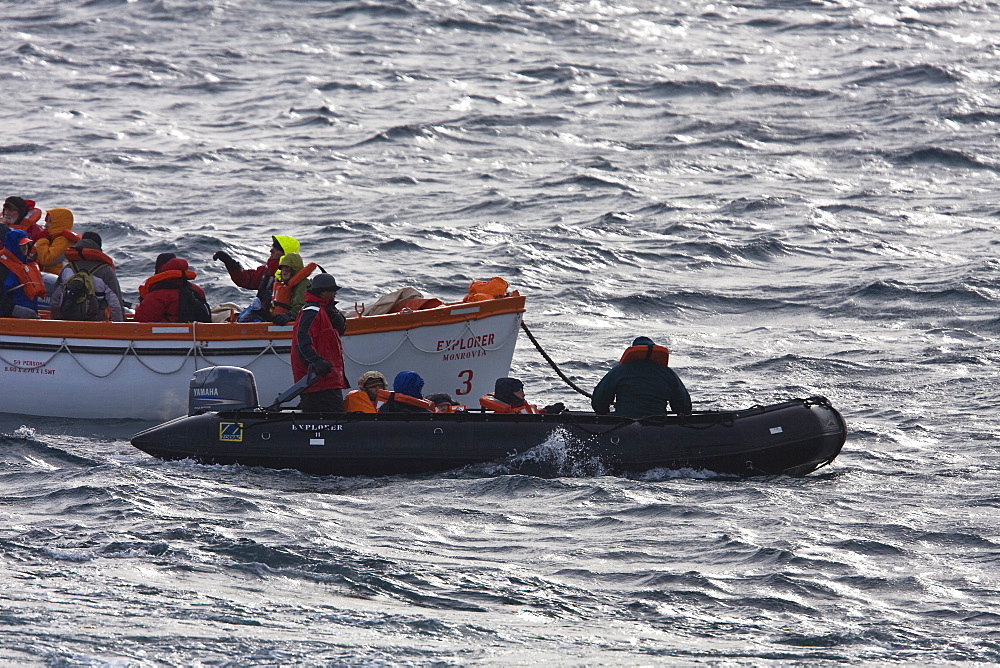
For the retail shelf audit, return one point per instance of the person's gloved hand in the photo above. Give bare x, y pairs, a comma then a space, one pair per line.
226, 259
322, 368
282, 319
555, 408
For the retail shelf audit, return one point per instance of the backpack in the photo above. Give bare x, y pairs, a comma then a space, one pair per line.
80, 300
191, 306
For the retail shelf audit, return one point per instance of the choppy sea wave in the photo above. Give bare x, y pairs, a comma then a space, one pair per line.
796, 197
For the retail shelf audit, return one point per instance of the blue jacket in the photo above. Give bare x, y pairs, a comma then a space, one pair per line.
410, 384
11, 242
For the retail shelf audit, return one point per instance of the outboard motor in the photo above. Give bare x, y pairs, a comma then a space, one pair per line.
221, 388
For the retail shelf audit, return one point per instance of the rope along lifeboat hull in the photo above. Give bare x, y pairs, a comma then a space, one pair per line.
142, 370
793, 438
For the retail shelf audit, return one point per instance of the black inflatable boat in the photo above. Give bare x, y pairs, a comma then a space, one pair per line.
795, 437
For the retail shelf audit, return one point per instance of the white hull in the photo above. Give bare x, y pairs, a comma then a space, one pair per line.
142, 371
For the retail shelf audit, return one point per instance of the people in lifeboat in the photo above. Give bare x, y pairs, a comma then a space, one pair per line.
362, 400
508, 397
86, 256
22, 283
290, 285
22, 214
159, 296
58, 235
260, 279
443, 403
405, 397
641, 384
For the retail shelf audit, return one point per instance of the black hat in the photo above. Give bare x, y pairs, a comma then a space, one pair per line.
19, 204
162, 259
441, 398
95, 237
643, 341
322, 283
505, 388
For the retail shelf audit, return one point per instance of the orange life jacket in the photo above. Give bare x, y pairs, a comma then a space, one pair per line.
281, 299
384, 396
30, 219
658, 354
55, 266
170, 275
358, 401
482, 290
69, 234
28, 274
76, 254
491, 403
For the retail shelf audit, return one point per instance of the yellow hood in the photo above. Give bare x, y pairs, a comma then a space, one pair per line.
59, 221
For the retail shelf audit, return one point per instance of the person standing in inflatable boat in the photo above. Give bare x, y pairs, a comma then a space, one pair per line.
641, 384
316, 345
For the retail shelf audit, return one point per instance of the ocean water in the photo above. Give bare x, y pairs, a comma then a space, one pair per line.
797, 196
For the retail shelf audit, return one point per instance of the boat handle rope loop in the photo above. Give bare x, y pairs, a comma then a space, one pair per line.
200, 351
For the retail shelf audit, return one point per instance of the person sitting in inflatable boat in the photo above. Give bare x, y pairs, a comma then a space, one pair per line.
508, 397
641, 384
443, 403
405, 397
362, 400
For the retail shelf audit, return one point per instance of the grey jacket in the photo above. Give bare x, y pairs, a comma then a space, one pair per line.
106, 274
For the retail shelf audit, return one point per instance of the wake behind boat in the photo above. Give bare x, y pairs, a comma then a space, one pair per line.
793, 438
97, 370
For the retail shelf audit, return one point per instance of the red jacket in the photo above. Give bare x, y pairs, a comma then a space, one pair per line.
160, 300
251, 278
315, 338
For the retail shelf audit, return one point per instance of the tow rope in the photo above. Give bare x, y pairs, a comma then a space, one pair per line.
552, 364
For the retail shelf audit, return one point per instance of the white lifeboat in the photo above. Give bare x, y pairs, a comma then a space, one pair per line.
136, 370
